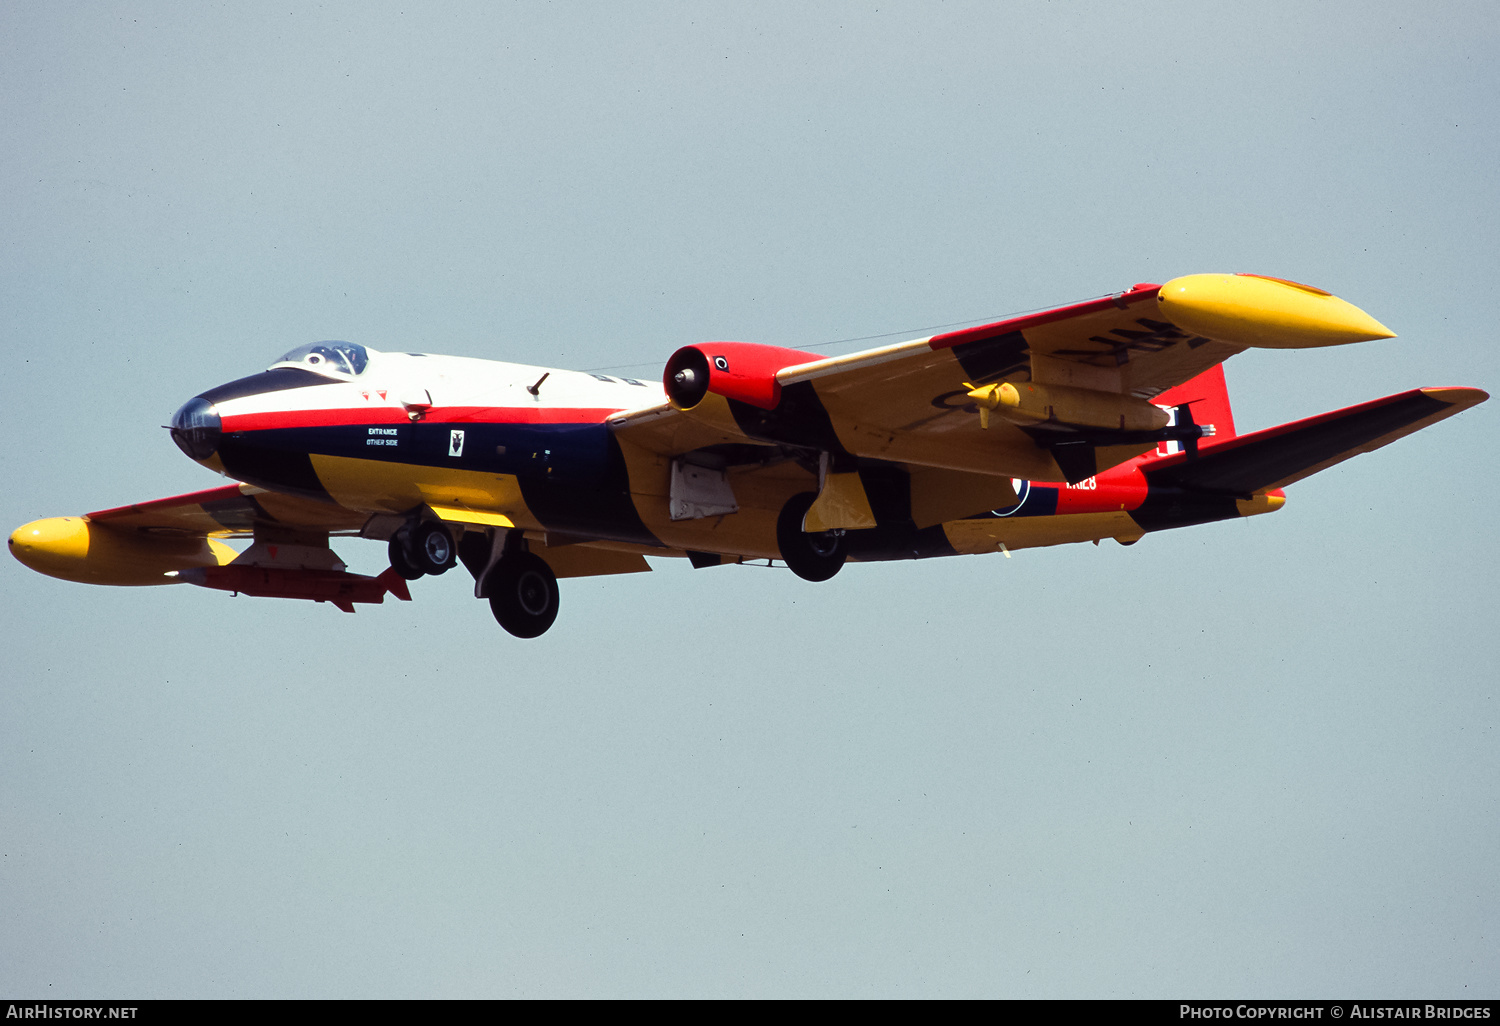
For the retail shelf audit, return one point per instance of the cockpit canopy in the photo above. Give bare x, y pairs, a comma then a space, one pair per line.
335, 359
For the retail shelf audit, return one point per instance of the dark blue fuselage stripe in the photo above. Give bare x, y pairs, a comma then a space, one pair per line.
572, 476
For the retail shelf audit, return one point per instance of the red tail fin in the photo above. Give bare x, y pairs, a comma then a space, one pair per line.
1208, 397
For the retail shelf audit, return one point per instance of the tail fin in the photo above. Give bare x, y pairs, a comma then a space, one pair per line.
1206, 399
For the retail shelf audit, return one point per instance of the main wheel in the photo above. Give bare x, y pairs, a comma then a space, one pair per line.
812, 557
400, 561
432, 548
523, 594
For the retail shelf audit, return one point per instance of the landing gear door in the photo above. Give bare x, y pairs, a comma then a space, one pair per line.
699, 491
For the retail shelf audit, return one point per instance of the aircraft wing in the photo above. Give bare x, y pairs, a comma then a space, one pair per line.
236, 511
911, 402
232, 511
181, 538
1282, 455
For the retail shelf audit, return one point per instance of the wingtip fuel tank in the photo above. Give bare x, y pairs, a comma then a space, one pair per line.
76, 549
1270, 313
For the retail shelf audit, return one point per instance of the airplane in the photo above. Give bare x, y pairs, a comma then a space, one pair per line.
1108, 418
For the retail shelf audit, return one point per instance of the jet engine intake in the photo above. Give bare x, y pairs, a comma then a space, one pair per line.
745, 371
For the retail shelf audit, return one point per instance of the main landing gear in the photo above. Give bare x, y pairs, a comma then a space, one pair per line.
521, 587
425, 548
422, 549
523, 594
811, 556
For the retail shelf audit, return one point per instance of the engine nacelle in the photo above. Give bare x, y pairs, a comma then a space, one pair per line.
735, 370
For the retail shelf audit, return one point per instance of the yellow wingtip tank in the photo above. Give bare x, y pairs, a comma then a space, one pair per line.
1272, 313
74, 549
1261, 502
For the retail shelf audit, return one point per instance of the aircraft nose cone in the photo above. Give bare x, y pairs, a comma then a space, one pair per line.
196, 428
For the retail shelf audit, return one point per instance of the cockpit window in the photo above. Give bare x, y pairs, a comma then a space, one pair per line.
337, 359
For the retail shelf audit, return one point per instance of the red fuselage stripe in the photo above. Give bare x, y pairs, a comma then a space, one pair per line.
397, 415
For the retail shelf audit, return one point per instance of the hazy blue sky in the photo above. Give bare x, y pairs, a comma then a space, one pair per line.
1249, 759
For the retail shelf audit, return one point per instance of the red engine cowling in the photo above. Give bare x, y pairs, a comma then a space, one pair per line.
735, 370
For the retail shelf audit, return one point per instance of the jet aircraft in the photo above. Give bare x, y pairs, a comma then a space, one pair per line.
1104, 419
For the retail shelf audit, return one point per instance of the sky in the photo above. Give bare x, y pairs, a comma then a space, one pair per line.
1252, 759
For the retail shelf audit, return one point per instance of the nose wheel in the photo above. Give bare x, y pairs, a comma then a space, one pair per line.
523, 594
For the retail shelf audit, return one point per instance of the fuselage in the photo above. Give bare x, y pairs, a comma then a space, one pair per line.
409, 429
390, 433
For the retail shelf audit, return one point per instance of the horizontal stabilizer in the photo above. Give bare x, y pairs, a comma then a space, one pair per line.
1278, 456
